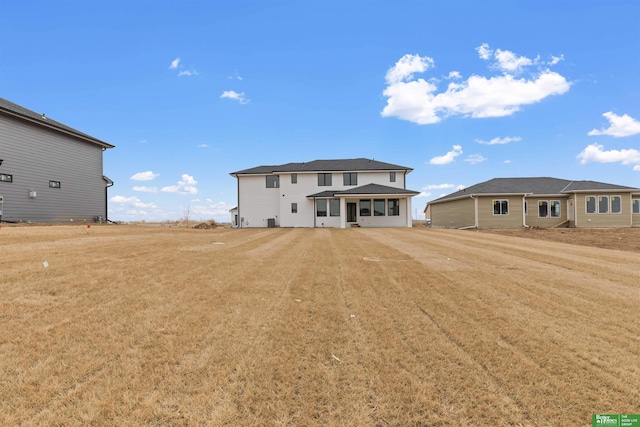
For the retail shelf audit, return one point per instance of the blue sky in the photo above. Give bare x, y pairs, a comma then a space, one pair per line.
460, 91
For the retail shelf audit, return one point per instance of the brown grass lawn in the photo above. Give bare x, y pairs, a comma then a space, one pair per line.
361, 327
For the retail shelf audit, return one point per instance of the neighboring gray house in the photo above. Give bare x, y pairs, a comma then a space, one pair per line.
537, 202
324, 193
49, 172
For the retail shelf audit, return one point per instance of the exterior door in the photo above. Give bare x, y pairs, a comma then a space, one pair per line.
571, 211
351, 212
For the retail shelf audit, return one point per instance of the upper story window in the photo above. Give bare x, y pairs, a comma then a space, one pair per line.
294, 178
350, 178
501, 207
54, 184
273, 181
324, 179
392, 177
6, 177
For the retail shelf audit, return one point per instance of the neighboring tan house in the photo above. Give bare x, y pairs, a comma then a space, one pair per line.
49, 172
324, 193
537, 202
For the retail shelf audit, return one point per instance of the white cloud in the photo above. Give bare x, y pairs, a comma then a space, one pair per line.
208, 209
507, 161
418, 101
230, 94
595, 153
454, 75
185, 186
556, 59
174, 64
145, 189
407, 66
187, 73
619, 126
484, 51
203, 145
437, 186
496, 141
475, 158
447, 158
145, 176
509, 62
131, 201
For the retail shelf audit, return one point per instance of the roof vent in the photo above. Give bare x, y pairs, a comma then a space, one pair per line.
44, 117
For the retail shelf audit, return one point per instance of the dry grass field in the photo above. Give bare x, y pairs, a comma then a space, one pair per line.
140, 325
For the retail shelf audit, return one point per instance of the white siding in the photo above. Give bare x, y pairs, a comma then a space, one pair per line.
257, 203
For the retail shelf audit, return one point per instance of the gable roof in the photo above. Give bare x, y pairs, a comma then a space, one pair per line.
532, 186
366, 190
337, 165
9, 108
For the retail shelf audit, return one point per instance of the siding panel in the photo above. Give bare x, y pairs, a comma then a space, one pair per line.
34, 156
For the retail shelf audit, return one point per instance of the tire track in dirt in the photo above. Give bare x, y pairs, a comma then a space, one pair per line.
398, 337
561, 343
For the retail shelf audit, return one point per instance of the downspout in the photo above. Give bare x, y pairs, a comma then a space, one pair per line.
315, 209
524, 214
239, 221
106, 201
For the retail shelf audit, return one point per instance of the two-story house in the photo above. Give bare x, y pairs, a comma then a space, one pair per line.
324, 193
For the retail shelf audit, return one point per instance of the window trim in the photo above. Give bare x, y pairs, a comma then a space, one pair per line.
294, 178
322, 179
393, 210
332, 203
275, 180
392, 177
553, 203
611, 204
321, 213
360, 207
375, 210
294, 208
600, 203
350, 178
586, 205
635, 206
546, 204
500, 201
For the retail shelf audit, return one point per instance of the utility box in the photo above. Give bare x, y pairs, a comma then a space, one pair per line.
271, 222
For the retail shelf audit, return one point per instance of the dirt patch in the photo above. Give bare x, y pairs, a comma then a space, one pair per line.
623, 239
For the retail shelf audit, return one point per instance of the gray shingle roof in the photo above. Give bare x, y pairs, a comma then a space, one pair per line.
533, 186
15, 110
366, 189
337, 165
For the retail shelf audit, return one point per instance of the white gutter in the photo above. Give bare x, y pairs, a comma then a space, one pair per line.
524, 214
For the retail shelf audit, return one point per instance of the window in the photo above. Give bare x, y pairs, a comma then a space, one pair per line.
394, 207
54, 184
350, 178
324, 179
6, 177
636, 206
616, 204
392, 177
378, 207
294, 208
555, 209
334, 207
273, 181
591, 204
321, 207
294, 178
365, 207
501, 207
543, 209
603, 204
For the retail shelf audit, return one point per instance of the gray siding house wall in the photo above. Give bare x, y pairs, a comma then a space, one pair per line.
49, 172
